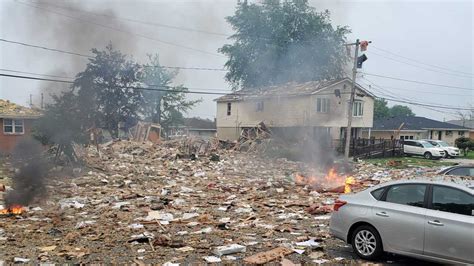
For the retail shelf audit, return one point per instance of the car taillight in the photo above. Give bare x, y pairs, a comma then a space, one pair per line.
338, 204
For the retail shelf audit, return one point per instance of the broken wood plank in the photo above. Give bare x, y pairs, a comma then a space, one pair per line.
267, 256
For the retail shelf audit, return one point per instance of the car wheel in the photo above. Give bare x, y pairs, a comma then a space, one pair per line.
367, 243
427, 155
446, 154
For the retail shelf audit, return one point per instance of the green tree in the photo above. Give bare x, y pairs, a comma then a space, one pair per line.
105, 90
164, 106
381, 110
401, 110
281, 41
465, 144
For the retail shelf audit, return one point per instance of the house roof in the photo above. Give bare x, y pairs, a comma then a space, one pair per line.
288, 89
12, 110
465, 123
413, 123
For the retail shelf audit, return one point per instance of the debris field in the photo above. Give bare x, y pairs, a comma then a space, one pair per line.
147, 203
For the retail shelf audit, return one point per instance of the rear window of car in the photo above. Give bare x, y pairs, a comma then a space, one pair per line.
377, 194
407, 194
452, 200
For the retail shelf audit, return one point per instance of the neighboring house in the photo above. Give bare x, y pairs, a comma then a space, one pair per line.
316, 106
16, 122
203, 128
415, 127
465, 123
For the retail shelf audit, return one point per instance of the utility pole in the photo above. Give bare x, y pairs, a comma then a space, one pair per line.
31, 100
42, 101
351, 103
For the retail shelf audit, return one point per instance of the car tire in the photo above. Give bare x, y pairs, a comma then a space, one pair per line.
427, 155
446, 155
366, 243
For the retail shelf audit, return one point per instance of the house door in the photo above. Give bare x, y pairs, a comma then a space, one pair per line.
439, 135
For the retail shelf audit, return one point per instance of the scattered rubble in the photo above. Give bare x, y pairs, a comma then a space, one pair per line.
142, 203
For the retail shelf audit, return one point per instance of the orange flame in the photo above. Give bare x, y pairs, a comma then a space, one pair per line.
331, 180
15, 209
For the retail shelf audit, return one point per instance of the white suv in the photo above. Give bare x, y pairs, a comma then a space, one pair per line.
449, 151
423, 148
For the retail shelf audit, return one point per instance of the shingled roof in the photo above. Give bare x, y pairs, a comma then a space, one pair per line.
11, 110
413, 123
288, 89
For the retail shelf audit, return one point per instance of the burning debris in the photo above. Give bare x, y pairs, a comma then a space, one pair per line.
28, 181
330, 182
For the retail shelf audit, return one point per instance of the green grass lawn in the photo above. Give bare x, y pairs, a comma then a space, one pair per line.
470, 155
408, 162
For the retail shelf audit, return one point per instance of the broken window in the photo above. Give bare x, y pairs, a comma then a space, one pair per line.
322, 105
358, 108
229, 108
260, 106
13, 126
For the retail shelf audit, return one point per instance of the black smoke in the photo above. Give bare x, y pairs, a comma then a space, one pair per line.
31, 170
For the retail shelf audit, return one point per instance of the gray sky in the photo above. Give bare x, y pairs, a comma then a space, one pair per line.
436, 33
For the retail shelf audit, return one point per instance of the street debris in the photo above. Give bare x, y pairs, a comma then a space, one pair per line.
141, 199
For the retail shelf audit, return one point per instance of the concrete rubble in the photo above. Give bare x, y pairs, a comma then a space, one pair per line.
141, 203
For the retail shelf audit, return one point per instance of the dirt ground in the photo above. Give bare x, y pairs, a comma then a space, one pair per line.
138, 203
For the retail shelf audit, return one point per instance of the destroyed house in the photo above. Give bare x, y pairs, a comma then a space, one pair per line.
16, 123
316, 107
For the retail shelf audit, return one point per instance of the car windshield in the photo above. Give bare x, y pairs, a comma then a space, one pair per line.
442, 144
427, 144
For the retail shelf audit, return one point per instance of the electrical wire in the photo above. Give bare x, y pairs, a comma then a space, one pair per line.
424, 68
419, 62
119, 30
416, 81
154, 87
91, 57
155, 24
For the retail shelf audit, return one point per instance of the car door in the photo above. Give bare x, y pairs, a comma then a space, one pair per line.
399, 217
449, 224
408, 147
420, 149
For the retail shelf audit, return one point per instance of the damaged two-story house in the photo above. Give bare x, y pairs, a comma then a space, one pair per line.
316, 107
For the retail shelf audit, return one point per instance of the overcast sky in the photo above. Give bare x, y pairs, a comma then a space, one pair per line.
438, 35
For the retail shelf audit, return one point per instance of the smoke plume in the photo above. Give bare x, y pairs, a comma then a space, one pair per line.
29, 178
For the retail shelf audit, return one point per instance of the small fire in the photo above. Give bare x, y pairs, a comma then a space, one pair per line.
347, 184
332, 180
15, 210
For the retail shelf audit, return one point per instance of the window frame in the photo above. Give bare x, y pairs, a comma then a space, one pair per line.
259, 106
460, 133
14, 125
229, 108
355, 110
322, 105
430, 198
425, 200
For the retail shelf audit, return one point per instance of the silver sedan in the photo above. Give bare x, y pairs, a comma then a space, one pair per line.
417, 218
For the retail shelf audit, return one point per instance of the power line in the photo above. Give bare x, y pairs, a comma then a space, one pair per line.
170, 88
419, 62
46, 48
138, 21
36, 74
119, 30
90, 56
416, 81
408, 101
428, 69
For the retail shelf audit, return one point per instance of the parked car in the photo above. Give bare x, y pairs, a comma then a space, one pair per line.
422, 219
423, 148
449, 151
461, 170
